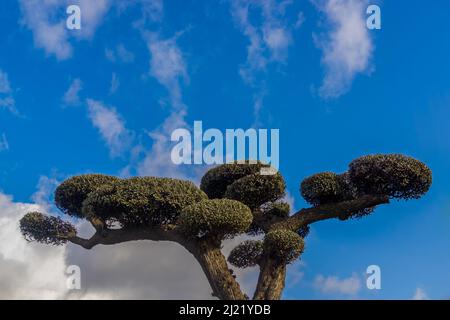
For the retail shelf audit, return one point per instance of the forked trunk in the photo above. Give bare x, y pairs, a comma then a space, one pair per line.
271, 280
214, 265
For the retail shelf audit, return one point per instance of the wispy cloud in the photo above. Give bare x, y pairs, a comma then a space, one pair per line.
119, 54
115, 83
167, 65
29, 271
110, 125
334, 285
92, 13
5, 86
71, 96
346, 47
7, 100
295, 274
44, 193
420, 294
4, 145
153, 10
46, 20
269, 41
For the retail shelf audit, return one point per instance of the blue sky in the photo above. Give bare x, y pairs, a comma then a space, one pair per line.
105, 99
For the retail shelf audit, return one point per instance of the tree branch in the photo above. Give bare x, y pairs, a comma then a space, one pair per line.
215, 267
110, 237
342, 209
208, 255
272, 273
271, 280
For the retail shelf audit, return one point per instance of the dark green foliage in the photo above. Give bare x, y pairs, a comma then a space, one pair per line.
216, 180
284, 245
246, 254
394, 175
70, 194
254, 190
218, 217
270, 212
303, 231
278, 209
142, 201
36, 226
321, 188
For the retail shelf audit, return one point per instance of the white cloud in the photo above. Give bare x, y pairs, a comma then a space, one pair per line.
9, 104
7, 100
44, 193
92, 13
4, 145
29, 270
110, 125
5, 86
71, 97
120, 53
167, 65
295, 274
157, 161
48, 34
47, 21
138, 270
153, 10
132, 270
289, 198
269, 41
346, 48
115, 83
420, 294
334, 285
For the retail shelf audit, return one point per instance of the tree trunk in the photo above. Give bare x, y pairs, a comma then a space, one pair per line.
271, 280
214, 265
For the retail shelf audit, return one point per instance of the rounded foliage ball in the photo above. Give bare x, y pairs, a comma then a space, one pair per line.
322, 188
255, 190
246, 254
36, 226
217, 217
70, 194
284, 245
142, 201
394, 175
216, 180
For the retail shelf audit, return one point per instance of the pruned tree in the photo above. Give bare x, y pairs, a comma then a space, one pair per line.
233, 199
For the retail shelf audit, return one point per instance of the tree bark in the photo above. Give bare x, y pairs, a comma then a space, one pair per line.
329, 211
271, 280
215, 267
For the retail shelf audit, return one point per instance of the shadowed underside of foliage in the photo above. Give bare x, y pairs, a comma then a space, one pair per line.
233, 199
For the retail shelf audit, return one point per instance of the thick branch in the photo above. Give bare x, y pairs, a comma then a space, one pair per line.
215, 267
208, 254
110, 237
272, 273
271, 280
342, 209
98, 224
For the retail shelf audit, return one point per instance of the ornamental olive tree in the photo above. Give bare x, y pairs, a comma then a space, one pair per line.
233, 199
